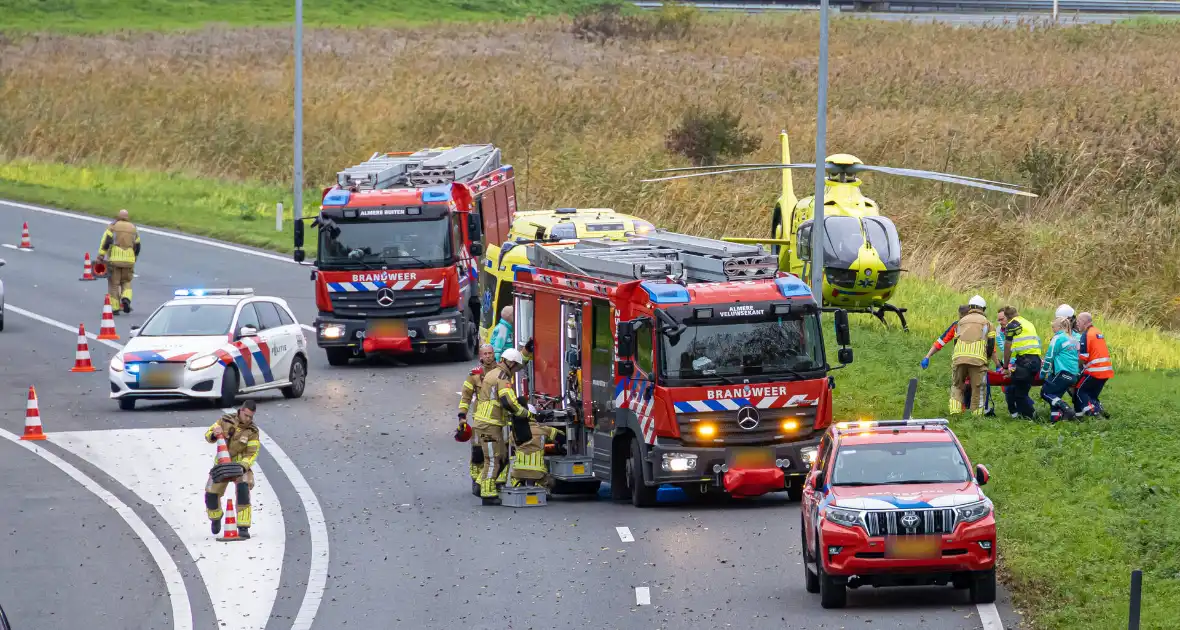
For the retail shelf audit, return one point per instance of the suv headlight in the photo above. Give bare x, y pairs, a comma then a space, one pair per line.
201, 363
840, 516
973, 511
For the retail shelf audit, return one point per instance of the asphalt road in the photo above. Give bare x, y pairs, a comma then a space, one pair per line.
407, 544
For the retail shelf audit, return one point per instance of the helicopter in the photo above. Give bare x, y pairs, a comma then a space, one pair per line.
862, 251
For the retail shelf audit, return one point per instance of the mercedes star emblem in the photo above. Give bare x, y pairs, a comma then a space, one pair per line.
385, 296
910, 520
747, 418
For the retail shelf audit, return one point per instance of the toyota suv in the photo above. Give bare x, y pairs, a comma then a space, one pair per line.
894, 503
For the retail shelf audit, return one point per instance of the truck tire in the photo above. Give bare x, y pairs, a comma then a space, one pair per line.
983, 587
795, 489
338, 356
642, 495
466, 351
810, 579
832, 594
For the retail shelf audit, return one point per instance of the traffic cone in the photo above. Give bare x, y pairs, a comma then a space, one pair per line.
87, 271
82, 355
230, 532
108, 321
25, 243
32, 418
223, 452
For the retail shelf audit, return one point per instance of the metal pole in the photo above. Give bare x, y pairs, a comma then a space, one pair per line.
1054, 10
1136, 596
298, 209
279, 217
821, 132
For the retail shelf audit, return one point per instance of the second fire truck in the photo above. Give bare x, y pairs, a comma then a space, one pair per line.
674, 359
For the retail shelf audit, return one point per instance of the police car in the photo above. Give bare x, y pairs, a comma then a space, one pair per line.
213, 344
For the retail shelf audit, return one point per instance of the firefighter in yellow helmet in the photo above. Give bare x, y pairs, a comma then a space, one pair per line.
974, 345
241, 437
495, 402
487, 361
117, 251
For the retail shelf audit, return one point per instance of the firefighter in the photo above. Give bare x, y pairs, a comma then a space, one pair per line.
495, 400
501, 337
241, 438
528, 466
118, 250
1060, 370
1022, 360
974, 342
947, 336
487, 361
1096, 367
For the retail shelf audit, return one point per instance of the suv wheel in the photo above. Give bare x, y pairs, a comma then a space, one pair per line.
810, 580
229, 388
127, 403
983, 587
832, 594
298, 379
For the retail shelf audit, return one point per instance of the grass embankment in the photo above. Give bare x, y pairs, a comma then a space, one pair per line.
98, 16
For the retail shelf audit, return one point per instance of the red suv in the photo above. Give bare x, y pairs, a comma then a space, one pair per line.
893, 503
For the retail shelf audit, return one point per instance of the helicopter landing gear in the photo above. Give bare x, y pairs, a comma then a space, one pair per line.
880, 314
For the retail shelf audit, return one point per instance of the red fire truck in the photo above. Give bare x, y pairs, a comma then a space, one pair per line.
674, 359
399, 239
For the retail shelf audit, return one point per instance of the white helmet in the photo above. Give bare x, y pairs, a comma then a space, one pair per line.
1064, 310
977, 301
512, 354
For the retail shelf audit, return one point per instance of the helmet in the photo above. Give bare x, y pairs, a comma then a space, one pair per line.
463, 433
1064, 310
977, 301
512, 354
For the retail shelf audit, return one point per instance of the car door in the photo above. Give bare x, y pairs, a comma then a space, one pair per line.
253, 361
275, 341
293, 329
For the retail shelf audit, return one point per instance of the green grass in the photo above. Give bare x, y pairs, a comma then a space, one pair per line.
96, 16
1080, 505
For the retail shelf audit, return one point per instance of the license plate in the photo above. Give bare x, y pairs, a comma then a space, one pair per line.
579, 469
157, 376
913, 547
385, 328
751, 458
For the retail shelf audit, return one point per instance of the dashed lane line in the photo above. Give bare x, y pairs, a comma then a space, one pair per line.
642, 596
990, 616
182, 614
625, 534
61, 325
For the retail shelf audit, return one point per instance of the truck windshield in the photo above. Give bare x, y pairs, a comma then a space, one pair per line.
899, 463
775, 348
392, 243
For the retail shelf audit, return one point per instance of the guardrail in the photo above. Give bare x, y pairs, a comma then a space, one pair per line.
1121, 7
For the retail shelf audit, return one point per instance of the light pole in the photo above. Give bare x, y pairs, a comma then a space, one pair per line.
298, 209
821, 132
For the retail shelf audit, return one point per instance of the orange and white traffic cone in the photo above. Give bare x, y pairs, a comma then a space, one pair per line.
108, 320
87, 270
231, 523
223, 452
25, 243
32, 418
82, 354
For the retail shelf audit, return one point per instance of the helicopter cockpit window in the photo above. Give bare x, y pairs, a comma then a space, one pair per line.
882, 236
803, 242
843, 242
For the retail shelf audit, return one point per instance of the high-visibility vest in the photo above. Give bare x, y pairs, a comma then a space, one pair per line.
971, 339
1028, 342
1095, 357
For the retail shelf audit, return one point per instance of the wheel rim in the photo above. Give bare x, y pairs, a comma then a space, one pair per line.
298, 378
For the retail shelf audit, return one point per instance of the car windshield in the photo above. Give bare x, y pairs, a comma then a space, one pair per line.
189, 320
392, 243
899, 463
777, 347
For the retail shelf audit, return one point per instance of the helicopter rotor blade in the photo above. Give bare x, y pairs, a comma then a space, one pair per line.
941, 177
736, 170
916, 172
717, 166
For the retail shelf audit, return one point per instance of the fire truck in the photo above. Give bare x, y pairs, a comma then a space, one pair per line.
397, 259
671, 359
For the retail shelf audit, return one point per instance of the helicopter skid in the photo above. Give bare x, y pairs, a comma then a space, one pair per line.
879, 313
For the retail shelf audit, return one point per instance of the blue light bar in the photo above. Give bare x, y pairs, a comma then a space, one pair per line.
204, 292
436, 194
665, 293
337, 198
791, 286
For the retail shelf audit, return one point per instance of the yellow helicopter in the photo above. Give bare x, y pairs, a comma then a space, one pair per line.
862, 252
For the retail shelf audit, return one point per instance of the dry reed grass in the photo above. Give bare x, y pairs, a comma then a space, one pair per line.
1086, 115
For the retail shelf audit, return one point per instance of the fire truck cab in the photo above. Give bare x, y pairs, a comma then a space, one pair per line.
674, 359
400, 237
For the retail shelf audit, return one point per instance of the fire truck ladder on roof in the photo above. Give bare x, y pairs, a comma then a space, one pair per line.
428, 167
658, 256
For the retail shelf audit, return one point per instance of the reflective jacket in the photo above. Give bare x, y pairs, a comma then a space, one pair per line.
494, 393
1022, 336
972, 336
240, 438
120, 244
471, 385
1094, 356
1061, 356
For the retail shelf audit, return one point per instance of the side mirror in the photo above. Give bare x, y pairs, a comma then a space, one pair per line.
814, 481
625, 333
135, 330
300, 255
298, 239
625, 368
981, 474
477, 249
845, 356
843, 335
248, 331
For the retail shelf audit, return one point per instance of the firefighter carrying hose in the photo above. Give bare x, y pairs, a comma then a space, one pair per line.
241, 437
495, 402
487, 361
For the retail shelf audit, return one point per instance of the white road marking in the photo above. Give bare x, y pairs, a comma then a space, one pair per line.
61, 325
182, 614
169, 470
642, 596
147, 230
19, 249
990, 617
625, 534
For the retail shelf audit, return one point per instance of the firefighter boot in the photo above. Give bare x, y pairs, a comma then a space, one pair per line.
244, 511
956, 405
213, 510
487, 491
126, 302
